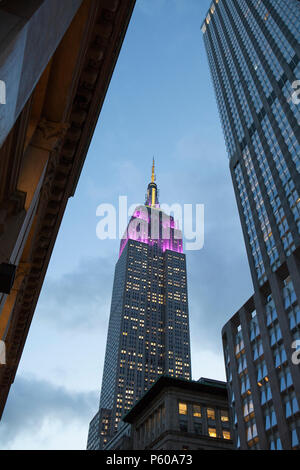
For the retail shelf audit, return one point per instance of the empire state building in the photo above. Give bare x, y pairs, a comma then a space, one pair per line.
148, 332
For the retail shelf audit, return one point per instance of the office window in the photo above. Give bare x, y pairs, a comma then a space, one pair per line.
182, 408
212, 432
198, 427
183, 424
226, 435
211, 414
224, 416
197, 411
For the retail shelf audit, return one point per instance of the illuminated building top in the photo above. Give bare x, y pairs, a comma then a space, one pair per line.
150, 225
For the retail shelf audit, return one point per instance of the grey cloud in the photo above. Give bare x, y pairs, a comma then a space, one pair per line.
32, 403
79, 299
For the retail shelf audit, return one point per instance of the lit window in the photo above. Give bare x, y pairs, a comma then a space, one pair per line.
211, 414
212, 432
224, 416
197, 411
182, 408
226, 435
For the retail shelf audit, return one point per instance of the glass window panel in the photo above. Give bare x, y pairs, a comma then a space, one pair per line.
211, 413
224, 416
197, 411
182, 408
212, 432
226, 435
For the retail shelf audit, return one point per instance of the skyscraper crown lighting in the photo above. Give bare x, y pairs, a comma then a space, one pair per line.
150, 225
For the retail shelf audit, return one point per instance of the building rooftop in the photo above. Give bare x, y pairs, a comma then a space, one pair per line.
203, 385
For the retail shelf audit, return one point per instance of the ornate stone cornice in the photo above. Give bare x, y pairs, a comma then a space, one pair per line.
49, 135
68, 143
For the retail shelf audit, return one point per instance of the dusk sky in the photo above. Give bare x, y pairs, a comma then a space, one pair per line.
160, 103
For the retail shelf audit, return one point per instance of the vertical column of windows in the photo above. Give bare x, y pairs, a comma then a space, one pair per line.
280, 39
245, 391
288, 92
252, 54
263, 43
227, 84
177, 328
289, 12
260, 208
287, 133
229, 51
288, 184
248, 217
219, 90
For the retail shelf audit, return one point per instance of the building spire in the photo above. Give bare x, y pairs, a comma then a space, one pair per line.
151, 196
153, 172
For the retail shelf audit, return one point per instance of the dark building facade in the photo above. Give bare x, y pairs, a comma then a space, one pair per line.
56, 62
254, 56
148, 333
177, 414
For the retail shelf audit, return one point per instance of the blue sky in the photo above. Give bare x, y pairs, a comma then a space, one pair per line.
160, 102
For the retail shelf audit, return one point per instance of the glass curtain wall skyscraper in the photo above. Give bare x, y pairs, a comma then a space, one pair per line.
254, 56
148, 333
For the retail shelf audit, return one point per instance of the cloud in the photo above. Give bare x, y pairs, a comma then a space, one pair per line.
79, 299
36, 408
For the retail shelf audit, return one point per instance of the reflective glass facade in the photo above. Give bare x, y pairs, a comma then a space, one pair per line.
254, 56
253, 50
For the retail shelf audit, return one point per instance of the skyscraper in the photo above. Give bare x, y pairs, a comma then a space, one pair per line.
254, 56
148, 333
